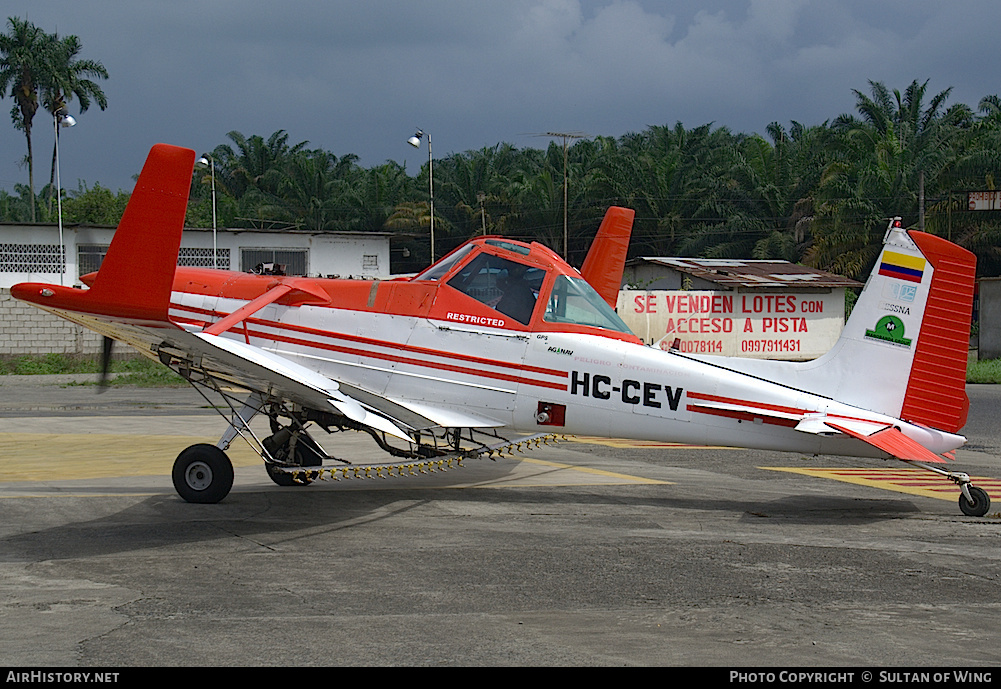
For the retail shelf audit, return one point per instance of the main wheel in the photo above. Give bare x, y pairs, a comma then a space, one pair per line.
307, 454
981, 502
203, 474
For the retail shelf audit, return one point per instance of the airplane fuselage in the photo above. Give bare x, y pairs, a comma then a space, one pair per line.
568, 382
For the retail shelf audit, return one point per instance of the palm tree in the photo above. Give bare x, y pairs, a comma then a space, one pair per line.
897, 141
256, 164
68, 78
25, 57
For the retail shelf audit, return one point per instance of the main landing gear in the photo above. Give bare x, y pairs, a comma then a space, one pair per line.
292, 447
202, 473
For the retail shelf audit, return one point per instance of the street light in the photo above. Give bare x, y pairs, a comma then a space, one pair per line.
60, 118
207, 161
415, 141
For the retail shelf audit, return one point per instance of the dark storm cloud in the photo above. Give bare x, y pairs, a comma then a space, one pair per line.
356, 77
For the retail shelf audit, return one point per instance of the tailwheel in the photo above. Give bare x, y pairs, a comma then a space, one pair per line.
980, 504
297, 449
203, 474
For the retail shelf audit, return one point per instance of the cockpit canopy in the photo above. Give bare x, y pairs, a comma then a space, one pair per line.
526, 286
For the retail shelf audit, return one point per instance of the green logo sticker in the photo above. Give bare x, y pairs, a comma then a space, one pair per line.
889, 329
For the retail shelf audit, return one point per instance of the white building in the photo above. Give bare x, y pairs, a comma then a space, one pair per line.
31, 253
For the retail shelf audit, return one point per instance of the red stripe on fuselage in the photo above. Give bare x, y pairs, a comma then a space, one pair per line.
410, 349
752, 406
756, 405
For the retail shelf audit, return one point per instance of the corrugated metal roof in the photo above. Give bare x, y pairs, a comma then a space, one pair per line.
734, 273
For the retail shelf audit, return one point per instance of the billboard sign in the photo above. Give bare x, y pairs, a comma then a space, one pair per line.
788, 325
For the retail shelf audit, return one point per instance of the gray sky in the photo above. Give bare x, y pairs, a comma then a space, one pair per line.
358, 77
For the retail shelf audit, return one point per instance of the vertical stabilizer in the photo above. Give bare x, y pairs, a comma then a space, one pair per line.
606, 258
903, 350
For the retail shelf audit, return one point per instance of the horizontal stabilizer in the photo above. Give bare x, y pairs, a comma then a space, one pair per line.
893, 442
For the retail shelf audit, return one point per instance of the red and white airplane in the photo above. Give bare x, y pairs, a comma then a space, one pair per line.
504, 337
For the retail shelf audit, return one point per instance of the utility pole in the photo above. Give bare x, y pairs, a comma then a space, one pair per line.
567, 137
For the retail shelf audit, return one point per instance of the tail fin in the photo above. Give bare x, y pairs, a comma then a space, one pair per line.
606, 258
903, 350
137, 274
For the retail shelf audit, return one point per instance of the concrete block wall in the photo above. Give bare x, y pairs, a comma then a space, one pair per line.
990, 319
27, 330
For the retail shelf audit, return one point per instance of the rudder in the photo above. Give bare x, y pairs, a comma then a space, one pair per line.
936, 389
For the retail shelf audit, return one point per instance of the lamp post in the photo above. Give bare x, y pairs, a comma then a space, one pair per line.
207, 161
415, 141
60, 118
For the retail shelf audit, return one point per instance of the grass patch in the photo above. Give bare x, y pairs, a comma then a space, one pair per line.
47, 364
988, 371
136, 370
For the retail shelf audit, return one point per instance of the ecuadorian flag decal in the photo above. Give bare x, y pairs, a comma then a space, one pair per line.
902, 266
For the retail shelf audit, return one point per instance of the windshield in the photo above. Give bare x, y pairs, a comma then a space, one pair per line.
575, 301
443, 266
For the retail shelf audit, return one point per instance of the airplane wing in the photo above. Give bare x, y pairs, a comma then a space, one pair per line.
269, 372
273, 374
254, 368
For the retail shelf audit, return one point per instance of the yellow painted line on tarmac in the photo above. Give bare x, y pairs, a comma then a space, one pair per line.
612, 477
622, 442
57, 456
904, 480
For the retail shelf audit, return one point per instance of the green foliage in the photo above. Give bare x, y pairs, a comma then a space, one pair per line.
95, 205
43, 69
135, 370
46, 364
818, 194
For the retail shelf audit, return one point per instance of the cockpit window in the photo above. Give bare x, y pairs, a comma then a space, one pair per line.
573, 300
510, 287
436, 271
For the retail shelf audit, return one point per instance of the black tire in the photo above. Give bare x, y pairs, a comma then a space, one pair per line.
307, 454
981, 502
202, 474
